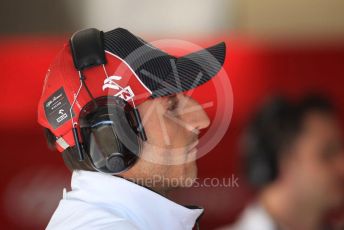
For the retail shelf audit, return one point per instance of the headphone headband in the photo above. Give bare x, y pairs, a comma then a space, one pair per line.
87, 48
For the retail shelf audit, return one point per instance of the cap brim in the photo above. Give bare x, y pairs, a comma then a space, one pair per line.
192, 70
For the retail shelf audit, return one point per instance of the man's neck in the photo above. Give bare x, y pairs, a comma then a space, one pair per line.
290, 210
157, 189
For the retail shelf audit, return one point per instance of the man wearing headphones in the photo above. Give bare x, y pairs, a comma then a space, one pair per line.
114, 106
294, 157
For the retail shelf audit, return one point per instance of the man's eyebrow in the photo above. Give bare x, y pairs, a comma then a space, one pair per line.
172, 100
171, 97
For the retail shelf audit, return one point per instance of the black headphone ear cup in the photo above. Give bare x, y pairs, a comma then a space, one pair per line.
109, 134
107, 152
260, 168
262, 142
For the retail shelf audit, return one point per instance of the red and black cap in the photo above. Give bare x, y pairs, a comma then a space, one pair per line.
162, 73
135, 71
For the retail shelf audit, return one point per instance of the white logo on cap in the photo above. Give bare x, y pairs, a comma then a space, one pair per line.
110, 82
126, 93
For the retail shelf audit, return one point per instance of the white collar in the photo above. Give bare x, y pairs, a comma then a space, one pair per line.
148, 208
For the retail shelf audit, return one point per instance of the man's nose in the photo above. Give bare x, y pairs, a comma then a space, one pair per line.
197, 117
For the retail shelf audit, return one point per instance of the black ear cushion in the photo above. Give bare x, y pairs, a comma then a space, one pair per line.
124, 129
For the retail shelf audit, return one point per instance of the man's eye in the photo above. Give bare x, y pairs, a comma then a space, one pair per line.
172, 103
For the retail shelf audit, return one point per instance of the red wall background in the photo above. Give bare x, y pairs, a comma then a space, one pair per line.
32, 177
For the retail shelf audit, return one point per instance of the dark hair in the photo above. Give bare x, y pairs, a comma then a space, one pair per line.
271, 132
70, 155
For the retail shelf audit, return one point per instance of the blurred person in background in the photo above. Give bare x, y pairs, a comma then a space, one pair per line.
294, 156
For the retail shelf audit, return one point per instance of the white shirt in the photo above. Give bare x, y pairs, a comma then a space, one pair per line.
101, 201
254, 217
